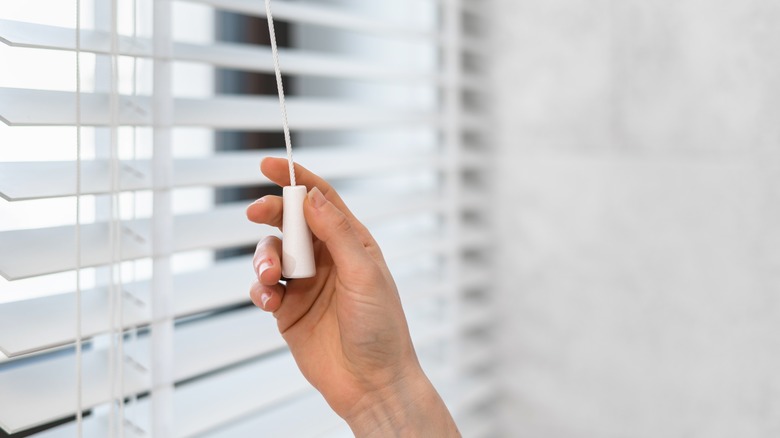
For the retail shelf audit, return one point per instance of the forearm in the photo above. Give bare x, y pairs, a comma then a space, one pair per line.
412, 408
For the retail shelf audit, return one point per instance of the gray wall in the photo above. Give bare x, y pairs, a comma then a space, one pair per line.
640, 160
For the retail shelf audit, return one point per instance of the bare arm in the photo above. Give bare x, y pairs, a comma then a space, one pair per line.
346, 327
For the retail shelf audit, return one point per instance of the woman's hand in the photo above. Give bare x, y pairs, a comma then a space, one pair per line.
345, 327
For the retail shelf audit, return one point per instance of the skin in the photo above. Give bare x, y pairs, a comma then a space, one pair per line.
345, 327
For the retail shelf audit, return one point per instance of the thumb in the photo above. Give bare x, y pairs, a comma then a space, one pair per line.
333, 228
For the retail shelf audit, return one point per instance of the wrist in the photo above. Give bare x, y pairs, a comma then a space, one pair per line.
410, 407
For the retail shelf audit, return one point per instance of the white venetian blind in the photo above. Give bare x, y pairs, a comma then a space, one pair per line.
384, 102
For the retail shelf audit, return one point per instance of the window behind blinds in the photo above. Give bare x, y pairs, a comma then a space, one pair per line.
384, 102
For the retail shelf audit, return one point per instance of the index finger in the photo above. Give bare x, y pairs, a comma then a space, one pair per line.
277, 170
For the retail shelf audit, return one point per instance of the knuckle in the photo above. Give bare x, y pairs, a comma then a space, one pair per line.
343, 225
265, 243
254, 295
326, 189
266, 249
277, 216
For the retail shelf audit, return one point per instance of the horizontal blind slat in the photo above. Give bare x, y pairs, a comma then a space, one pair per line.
97, 426
24, 107
50, 250
296, 62
474, 83
218, 341
475, 238
476, 356
470, 394
475, 46
40, 36
465, 394
342, 431
226, 55
411, 245
268, 383
41, 392
241, 391
299, 12
478, 316
24, 180
477, 426
311, 13
284, 420
481, 9
40, 324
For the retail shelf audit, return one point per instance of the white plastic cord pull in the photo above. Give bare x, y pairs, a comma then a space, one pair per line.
297, 250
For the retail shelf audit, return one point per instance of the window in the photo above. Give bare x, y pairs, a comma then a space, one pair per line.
384, 103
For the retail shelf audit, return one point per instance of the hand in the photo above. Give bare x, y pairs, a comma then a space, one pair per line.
345, 327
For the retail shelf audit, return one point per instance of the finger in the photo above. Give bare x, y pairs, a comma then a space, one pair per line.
266, 261
268, 298
335, 230
302, 296
277, 170
266, 210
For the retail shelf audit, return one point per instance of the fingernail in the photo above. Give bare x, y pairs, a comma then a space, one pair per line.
264, 266
316, 199
259, 201
264, 298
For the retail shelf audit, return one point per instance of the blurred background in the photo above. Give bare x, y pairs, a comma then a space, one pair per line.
578, 201
639, 148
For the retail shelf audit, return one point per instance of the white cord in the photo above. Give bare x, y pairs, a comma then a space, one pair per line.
133, 330
280, 87
79, 422
115, 270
